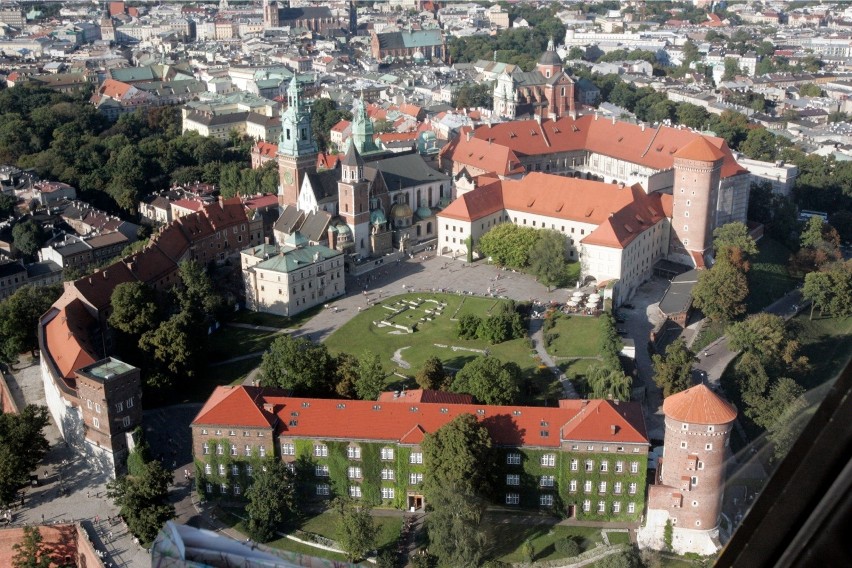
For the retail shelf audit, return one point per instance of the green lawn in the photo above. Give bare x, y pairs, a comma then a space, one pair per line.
229, 342
710, 332
271, 320
325, 524
827, 342
506, 538
579, 336
288, 545
618, 537
359, 335
768, 279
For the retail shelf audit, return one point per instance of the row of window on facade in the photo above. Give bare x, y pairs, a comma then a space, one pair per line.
246, 433
125, 422
548, 499
324, 489
513, 479
119, 406
248, 451
235, 469
352, 452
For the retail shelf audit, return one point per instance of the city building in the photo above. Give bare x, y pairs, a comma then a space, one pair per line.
585, 458
690, 477
75, 340
289, 278
410, 45
546, 92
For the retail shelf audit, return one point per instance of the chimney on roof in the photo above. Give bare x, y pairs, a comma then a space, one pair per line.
613, 119
642, 125
596, 115
469, 135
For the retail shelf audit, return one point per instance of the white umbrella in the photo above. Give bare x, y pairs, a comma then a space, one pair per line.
573, 303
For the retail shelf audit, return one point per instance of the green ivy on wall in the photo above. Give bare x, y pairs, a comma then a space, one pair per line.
403, 468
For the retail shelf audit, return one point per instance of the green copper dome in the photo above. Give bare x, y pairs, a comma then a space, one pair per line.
377, 217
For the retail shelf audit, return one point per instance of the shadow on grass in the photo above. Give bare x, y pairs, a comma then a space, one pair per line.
505, 537
545, 552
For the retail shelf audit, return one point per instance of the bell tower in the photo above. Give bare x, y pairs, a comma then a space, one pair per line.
297, 151
353, 194
362, 129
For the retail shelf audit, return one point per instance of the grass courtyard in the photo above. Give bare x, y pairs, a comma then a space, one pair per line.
436, 337
576, 336
506, 537
768, 278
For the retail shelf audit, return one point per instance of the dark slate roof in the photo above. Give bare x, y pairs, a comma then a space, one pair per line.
325, 184
289, 219
216, 119
405, 171
315, 226
352, 157
42, 268
308, 12
10, 269
679, 295
528, 78
550, 58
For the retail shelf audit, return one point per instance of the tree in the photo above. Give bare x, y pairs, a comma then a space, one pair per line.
31, 552
673, 373
760, 144
19, 316
732, 126
468, 326
785, 426
134, 308
568, 546
547, 258
143, 500
810, 90
28, 237
455, 529
721, 292
733, 238
623, 559
271, 500
7, 205
345, 374
196, 295
489, 380
297, 364
174, 346
356, 529
769, 337
610, 343
371, 376
818, 289
692, 115
459, 458
732, 69
812, 233
432, 375
508, 245
324, 115
608, 384
22, 447
498, 328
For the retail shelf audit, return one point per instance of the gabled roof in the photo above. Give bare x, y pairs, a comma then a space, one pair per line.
475, 204
266, 149
484, 155
66, 333
700, 150
408, 423
699, 405
234, 407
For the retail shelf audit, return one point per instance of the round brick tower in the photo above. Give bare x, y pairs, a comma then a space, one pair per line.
698, 427
697, 170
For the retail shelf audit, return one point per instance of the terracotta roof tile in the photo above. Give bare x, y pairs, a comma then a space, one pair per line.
426, 395
482, 201
97, 288
700, 150
408, 423
699, 405
66, 334
266, 149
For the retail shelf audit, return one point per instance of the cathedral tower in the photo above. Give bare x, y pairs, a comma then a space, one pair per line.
697, 170
297, 151
362, 129
354, 199
271, 17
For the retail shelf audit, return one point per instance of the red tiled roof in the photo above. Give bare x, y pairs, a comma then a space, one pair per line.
482, 201
407, 423
340, 126
97, 288
427, 395
485, 156
114, 89
700, 150
327, 161
266, 149
234, 407
699, 405
191, 204
651, 147
260, 201
67, 337
60, 540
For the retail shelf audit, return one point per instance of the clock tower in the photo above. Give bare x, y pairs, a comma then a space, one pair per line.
354, 199
297, 151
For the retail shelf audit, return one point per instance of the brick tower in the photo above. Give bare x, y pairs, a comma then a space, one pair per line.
354, 199
697, 169
690, 479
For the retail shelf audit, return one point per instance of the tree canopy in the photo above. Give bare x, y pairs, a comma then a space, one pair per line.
509, 245
143, 500
19, 316
356, 529
489, 380
830, 289
271, 500
371, 376
770, 338
548, 258
134, 308
459, 457
721, 292
31, 552
673, 372
432, 375
22, 447
28, 236
608, 384
297, 364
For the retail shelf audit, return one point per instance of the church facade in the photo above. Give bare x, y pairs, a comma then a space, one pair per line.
547, 92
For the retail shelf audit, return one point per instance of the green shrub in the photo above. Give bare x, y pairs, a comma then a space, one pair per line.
568, 547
